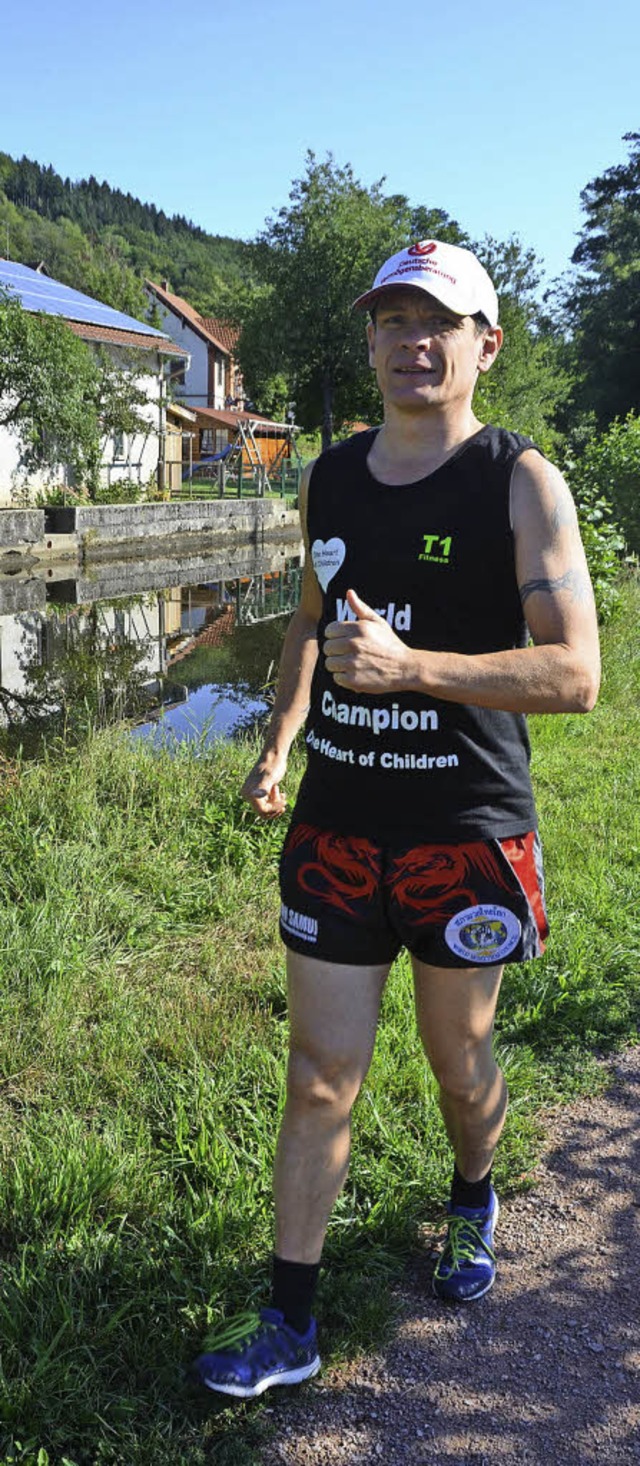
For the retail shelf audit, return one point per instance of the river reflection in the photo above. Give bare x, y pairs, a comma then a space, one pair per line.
178, 645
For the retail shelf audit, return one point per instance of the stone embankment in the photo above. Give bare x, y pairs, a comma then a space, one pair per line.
94, 532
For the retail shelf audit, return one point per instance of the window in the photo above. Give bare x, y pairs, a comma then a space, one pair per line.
219, 371
119, 448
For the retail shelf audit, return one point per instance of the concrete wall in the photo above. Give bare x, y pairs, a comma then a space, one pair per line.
20, 529
110, 530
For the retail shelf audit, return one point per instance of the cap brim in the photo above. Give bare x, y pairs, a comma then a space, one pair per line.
364, 301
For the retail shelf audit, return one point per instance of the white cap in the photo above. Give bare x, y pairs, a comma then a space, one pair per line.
452, 275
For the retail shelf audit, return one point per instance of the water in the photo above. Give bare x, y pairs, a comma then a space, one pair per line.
183, 647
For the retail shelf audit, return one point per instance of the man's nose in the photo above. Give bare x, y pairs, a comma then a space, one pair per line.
418, 334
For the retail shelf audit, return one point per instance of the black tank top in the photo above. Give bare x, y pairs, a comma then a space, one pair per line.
436, 558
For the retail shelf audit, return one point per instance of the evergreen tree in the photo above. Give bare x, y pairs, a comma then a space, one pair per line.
602, 300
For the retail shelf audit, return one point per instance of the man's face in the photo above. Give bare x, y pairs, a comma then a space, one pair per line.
423, 355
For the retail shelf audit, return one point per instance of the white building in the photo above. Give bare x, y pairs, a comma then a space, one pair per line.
140, 456
211, 378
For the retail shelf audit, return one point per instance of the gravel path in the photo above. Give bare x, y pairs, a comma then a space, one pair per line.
546, 1368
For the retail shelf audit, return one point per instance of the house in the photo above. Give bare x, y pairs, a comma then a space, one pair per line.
212, 378
211, 386
134, 345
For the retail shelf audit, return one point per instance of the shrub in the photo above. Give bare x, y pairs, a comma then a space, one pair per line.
607, 467
602, 539
119, 491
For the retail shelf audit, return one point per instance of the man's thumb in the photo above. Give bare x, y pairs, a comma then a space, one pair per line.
362, 610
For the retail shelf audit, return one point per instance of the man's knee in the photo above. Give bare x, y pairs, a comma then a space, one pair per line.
322, 1082
467, 1075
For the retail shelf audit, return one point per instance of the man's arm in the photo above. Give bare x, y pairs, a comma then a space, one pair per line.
559, 673
299, 654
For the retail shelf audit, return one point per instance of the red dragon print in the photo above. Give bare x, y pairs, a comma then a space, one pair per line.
345, 871
426, 879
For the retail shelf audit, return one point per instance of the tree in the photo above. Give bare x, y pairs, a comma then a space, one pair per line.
528, 383
607, 466
323, 250
313, 258
601, 302
59, 397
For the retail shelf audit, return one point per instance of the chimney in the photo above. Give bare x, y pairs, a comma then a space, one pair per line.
164, 285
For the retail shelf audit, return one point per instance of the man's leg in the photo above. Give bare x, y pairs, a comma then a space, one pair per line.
455, 1010
333, 1014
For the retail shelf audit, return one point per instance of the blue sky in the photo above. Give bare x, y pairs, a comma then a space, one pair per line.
498, 113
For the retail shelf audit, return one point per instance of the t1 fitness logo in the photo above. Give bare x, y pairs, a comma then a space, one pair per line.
437, 548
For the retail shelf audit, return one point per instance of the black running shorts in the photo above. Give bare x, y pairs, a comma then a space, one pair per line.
347, 900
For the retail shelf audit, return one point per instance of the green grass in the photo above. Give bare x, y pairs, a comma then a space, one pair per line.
142, 1050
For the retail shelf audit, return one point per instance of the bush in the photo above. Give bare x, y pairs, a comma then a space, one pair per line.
119, 491
603, 542
608, 467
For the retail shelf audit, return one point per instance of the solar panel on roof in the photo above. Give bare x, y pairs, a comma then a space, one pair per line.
40, 293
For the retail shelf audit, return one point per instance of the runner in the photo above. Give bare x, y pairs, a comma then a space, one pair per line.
428, 542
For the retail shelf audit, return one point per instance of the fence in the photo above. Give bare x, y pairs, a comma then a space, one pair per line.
217, 481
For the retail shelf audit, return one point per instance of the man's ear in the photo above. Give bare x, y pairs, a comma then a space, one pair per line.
490, 344
371, 339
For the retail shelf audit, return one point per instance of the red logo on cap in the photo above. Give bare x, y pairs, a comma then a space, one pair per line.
422, 249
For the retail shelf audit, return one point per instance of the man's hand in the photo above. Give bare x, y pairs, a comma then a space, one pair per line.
261, 787
366, 655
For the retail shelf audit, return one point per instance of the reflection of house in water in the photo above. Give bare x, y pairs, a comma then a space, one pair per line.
42, 621
37, 642
197, 615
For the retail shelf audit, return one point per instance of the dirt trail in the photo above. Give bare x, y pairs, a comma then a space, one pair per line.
545, 1370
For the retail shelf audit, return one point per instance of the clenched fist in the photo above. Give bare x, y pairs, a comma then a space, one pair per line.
366, 655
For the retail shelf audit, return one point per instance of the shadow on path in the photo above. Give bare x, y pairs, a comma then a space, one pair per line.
545, 1369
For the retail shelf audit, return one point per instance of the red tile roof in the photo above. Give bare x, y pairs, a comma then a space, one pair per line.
223, 331
218, 333
113, 334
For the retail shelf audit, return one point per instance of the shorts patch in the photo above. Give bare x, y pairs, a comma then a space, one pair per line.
348, 900
483, 933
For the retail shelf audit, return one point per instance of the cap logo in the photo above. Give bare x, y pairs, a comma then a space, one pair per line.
426, 248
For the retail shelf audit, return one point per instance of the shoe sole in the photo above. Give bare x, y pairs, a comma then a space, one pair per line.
284, 1377
472, 1298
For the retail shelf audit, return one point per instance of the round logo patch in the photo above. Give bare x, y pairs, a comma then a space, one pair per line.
483, 933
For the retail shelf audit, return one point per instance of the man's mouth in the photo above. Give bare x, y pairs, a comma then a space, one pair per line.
414, 371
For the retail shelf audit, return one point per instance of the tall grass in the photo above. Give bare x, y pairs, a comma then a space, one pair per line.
142, 1051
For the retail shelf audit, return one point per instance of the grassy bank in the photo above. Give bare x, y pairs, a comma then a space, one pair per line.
142, 1049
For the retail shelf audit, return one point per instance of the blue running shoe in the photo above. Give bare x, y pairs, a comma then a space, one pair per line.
254, 1351
466, 1267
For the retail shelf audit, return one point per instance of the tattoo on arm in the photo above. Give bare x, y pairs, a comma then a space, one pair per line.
563, 513
573, 581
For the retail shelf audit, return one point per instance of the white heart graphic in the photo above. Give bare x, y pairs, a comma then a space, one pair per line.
327, 559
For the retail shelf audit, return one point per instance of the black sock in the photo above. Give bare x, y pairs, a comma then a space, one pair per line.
470, 1193
293, 1289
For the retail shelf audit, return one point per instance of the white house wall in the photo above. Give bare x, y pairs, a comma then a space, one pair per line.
141, 451
195, 390
139, 461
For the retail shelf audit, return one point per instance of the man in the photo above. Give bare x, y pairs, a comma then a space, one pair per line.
428, 541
